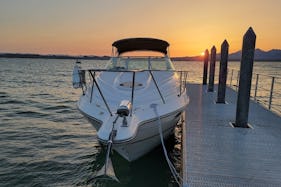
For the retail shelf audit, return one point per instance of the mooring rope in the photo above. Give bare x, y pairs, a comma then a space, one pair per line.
174, 172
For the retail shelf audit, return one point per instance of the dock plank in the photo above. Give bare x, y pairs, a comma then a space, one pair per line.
216, 154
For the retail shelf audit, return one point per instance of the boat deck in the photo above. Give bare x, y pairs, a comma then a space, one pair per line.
216, 154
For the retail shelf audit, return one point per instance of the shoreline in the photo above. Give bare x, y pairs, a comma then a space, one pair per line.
38, 56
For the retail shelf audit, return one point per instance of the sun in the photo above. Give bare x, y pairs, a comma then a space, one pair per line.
202, 54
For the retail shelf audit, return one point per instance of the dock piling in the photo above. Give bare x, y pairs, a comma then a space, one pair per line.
246, 70
212, 69
223, 72
205, 71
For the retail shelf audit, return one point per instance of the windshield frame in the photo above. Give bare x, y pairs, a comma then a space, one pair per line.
132, 63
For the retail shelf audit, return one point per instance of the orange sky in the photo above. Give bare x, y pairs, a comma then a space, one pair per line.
88, 27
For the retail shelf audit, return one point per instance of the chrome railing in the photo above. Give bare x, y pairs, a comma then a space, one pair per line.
183, 81
265, 89
94, 83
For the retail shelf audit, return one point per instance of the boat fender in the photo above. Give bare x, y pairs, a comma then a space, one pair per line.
124, 108
82, 76
76, 79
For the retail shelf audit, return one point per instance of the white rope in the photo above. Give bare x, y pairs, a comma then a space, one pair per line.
171, 166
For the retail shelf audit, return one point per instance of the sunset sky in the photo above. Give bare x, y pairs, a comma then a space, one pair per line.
88, 27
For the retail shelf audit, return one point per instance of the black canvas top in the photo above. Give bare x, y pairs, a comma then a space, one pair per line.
141, 44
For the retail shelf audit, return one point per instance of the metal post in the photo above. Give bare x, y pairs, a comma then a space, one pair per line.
256, 86
223, 72
231, 78
212, 69
237, 79
185, 77
180, 82
271, 93
246, 70
157, 86
92, 87
132, 95
97, 85
205, 70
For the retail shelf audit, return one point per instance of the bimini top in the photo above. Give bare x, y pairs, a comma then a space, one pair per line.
141, 44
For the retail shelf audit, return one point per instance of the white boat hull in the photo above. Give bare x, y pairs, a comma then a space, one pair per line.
147, 137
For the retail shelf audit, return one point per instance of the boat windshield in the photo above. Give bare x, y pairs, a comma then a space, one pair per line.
140, 63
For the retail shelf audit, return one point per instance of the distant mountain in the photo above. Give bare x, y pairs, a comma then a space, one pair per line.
188, 58
260, 55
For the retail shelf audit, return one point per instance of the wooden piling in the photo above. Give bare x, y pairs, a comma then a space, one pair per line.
223, 72
212, 69
245, 80
205, 70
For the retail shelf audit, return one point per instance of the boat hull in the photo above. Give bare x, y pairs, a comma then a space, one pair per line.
147, 137
134, 149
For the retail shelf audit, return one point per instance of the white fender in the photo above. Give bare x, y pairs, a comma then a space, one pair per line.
76, 82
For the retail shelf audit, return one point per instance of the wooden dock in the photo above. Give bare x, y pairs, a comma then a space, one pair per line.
216, 154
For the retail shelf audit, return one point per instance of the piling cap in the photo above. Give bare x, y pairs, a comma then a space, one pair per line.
250, 35
224, 43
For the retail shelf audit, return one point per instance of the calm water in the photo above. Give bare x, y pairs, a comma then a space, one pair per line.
45, 141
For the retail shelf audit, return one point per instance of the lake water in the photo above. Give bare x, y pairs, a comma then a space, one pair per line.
45, 141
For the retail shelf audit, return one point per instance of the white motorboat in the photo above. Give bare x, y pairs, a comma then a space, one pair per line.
126, 101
